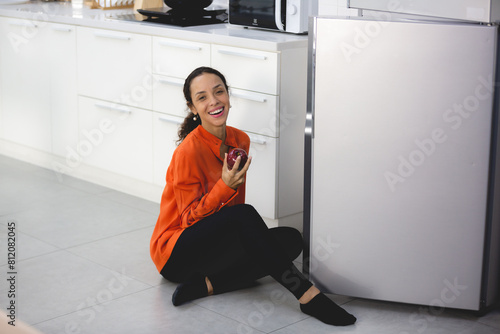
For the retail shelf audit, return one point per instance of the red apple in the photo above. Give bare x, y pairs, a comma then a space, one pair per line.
234, 154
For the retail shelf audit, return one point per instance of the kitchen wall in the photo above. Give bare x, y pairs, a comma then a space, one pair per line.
326, 7
335, 7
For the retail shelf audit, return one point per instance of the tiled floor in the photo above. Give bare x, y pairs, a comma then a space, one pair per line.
83, 267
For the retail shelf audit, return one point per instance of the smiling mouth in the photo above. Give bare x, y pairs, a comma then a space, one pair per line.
216, 112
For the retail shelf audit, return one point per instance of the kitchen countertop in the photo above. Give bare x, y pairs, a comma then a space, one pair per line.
80, 14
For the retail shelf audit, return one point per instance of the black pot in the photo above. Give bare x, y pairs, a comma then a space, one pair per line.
188, 4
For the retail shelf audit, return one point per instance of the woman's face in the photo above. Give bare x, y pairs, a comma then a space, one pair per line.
210, 102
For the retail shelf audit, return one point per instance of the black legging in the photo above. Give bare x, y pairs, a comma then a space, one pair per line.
233, 248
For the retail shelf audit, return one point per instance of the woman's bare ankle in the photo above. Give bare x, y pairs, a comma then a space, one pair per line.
210, 288
309, 294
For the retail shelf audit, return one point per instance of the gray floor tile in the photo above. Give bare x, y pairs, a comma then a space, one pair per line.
58, 283
129, 250
25, 246
20, 192
19, 170
72, 182
145, 312
266, 307
74, 219
10, 165
23, 185
492, 319
391, 318
133, 201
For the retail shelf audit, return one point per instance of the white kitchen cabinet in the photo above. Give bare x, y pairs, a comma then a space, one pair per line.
26, 117
258, 115
253, 77
168, 96
177, 58
262, 176
173, 61
116, 138
254, 112
61, 45
40, 105
165, 128
248, 69
115, 66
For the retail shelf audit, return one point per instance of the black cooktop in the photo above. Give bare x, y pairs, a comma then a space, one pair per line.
184, 18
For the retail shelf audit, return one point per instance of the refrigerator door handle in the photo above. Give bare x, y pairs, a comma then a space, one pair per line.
308, 149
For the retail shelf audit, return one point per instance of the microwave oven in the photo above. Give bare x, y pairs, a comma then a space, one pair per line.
281, 15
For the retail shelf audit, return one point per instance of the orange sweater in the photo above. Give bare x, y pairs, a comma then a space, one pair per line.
194, 188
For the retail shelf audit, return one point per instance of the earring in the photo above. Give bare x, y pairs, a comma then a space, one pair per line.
195, 118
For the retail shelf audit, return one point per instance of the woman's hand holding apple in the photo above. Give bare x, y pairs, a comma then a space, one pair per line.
234, 177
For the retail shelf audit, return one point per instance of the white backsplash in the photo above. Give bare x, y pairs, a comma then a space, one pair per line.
326, 7
335, 7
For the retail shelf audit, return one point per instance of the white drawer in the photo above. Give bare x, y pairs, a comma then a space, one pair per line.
116, 138
261, 182
165, 128
115, 66
254, 112
248, 69
177, 58
168, 96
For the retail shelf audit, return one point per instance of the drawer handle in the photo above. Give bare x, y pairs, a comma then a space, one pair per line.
63, 29
257, 139
171, 81
112, 36
171, 119
23, 24
250, 97
241, 54
181, 46
113, 107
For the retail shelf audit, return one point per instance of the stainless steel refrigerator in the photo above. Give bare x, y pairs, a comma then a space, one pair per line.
402, 171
